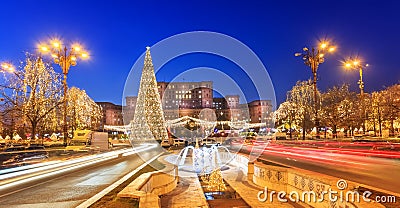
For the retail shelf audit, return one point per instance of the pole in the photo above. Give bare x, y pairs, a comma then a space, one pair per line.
65, 72
65, 133
361, 83
314, 67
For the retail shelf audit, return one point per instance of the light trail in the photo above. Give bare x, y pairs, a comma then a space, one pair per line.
20, 175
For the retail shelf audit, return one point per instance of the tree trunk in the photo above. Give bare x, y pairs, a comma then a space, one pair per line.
391, 126
304, 127
334, 131
33, 124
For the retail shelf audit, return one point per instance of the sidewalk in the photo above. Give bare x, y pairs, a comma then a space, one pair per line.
248, 191
188, 193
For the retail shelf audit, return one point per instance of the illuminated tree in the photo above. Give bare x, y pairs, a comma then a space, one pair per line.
338, 107
216, 181
148, 122
302, 102
34, 92
390, 102
83, 112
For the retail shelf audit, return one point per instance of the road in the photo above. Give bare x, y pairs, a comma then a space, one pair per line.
73, 188
377, 172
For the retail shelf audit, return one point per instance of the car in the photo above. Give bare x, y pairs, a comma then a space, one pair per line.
179, 142
209, 142
165, 143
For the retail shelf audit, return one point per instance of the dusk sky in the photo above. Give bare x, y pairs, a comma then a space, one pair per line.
117, 32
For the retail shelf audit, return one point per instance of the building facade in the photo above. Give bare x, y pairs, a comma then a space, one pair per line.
112, 114
189, 99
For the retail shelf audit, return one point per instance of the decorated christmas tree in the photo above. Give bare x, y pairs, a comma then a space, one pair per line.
215, 181
148, 122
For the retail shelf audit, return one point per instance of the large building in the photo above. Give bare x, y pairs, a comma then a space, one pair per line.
112, 114
186, 95
260, 111
190, 98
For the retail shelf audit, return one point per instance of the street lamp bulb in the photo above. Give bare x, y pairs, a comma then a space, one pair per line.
366, 65
356, 63
323, 45
85, 55
73, 58
7, 67
4, 66
76, 47
297, 54
332, 49
347, 65
44, 49
321, 55
56, 44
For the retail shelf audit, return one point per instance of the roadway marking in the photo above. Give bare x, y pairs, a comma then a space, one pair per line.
101, 194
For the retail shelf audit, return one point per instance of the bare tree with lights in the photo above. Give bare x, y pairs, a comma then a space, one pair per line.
148, 122
83, 112
302, 98
389, 103
335, 106
35, 91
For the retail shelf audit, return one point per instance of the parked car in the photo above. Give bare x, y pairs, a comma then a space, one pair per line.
209, 142
165, 143
179, 142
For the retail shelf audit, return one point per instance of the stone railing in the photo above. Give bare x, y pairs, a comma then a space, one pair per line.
148, 186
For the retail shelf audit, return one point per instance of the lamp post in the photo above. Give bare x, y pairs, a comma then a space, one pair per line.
354, 63
64, 57
313, 58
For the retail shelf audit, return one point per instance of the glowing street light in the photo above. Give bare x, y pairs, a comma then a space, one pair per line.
355, 64
65, 57
313, 58
5, 66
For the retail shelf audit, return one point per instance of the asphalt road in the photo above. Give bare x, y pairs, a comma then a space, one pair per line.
376, 172
73, 188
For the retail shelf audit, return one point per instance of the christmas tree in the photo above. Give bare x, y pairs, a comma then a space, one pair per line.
148, 122
215, 181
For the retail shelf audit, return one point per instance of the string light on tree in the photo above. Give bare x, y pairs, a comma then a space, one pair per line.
65, 57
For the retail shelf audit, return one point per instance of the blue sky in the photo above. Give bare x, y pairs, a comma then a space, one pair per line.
117, 32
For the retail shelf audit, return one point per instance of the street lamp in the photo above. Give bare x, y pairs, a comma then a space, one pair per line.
65, 57
313, 58
354, 63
